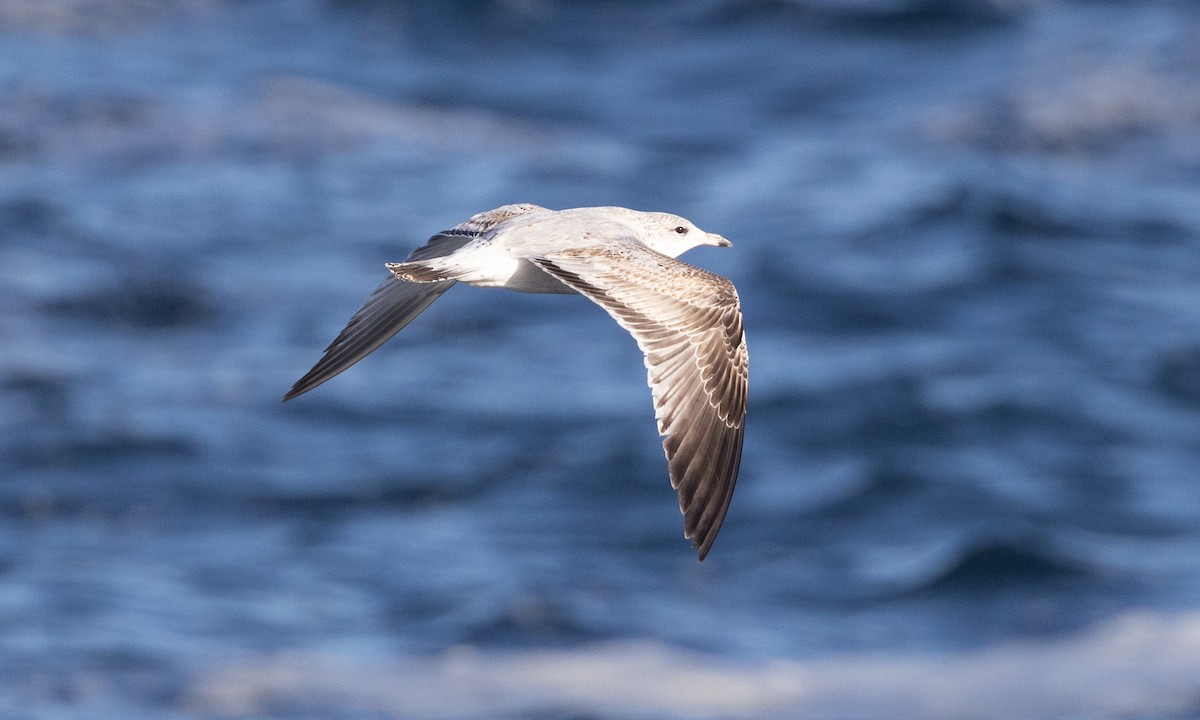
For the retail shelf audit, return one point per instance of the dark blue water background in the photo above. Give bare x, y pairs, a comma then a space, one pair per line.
967, 242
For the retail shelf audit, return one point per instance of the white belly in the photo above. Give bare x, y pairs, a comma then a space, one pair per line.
495, 267
529, 278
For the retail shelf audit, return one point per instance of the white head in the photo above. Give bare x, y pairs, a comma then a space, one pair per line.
672, 235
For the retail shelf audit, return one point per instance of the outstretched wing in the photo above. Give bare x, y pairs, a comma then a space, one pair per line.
395, 303
688, 323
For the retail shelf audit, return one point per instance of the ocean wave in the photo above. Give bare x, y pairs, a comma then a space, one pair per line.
1139, 664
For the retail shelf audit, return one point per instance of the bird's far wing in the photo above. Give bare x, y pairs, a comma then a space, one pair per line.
688, 322
395, 303
392, 306
477, 225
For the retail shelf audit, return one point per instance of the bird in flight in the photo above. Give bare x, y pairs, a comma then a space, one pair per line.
687, 322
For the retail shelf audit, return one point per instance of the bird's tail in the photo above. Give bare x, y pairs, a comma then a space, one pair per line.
423, 271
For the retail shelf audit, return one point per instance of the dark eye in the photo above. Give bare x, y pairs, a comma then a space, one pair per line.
681, 230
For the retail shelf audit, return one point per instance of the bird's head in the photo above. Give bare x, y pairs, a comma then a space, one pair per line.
673, 235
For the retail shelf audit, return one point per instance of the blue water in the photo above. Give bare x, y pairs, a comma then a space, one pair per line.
967, 242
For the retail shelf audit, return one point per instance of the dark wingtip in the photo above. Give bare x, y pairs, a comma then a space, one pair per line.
302, 386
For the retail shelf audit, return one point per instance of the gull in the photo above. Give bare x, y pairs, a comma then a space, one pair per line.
687, 322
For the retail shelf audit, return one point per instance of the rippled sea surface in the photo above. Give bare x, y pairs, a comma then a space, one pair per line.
967, 242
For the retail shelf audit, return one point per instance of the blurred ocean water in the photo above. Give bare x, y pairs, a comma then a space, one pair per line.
967, 242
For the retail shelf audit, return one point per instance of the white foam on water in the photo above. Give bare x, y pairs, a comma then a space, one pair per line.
1135, 665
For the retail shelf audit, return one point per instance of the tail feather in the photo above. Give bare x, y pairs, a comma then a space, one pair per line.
422, 271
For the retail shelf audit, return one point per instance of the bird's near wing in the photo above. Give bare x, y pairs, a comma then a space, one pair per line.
395, 303
688, 322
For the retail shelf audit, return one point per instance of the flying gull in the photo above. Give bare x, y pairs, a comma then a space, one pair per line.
687, 321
